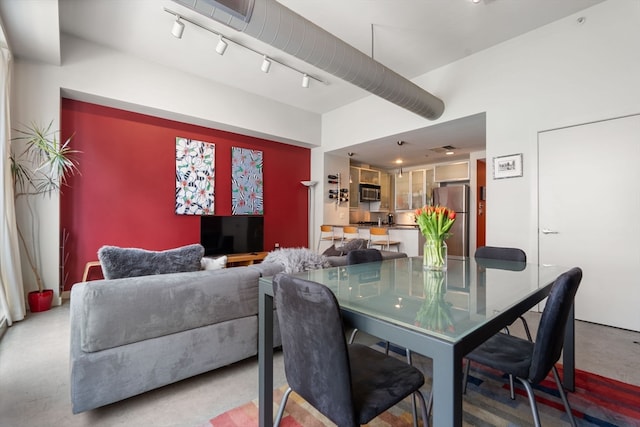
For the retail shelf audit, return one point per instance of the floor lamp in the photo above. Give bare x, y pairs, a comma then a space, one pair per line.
310, 185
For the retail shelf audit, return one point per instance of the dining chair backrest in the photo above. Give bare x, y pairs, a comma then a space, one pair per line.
316, 360
550, 337
492, 257
506, 254
362, 256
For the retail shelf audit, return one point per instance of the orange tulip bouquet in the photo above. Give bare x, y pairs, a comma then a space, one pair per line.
435, 223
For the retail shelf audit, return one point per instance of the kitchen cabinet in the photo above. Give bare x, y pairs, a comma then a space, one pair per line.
369, 176
402, 201
417, 189
457, 171
354, 187
413, 190
385, 191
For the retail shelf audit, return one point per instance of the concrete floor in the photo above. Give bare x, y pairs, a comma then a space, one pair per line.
34, 372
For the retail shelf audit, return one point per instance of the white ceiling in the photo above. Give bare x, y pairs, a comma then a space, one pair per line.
411, 37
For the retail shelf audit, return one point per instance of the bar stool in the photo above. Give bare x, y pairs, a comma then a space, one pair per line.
328, 234
349, 233
379, 236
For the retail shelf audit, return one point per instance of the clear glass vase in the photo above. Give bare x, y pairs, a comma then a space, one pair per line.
435, 254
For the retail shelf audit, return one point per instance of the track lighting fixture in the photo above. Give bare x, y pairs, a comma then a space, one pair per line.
178, 28
223, 42
266, 64
221, 46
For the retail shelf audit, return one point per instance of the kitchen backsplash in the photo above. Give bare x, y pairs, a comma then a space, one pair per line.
401, 218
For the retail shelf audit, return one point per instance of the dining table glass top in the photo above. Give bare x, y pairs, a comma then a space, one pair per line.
444, 304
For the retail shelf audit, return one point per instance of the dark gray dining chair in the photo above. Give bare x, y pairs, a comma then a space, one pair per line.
348, 383
486, 254
492, 257
531, 362
362, 256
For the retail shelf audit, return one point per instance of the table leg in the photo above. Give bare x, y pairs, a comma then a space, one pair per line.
447, 389
265, 360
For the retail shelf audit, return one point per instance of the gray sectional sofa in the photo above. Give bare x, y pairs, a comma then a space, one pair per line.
134, 334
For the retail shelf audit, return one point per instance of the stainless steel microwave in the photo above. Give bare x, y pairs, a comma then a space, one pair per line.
369, 193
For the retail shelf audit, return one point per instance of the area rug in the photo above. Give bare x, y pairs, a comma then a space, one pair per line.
597, 401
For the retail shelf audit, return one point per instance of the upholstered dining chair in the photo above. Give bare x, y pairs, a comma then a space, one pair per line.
362, 256
484, 254
349, 384
490, 257
531, 362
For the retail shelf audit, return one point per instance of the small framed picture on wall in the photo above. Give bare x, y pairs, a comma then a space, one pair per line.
507, 166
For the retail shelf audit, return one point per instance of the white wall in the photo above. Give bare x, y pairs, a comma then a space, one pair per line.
561, 74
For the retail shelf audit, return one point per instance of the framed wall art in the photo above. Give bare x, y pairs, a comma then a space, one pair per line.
246, 182
195, 176
507, 166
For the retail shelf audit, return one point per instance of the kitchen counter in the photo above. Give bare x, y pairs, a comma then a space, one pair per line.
409, 235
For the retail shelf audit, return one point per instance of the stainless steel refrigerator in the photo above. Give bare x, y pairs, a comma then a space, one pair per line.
456, 198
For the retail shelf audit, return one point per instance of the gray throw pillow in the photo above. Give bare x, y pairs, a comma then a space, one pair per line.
352, 245
118, 262
332, 251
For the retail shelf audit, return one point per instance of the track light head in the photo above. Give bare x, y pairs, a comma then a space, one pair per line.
178, 28
266, 64
221, 46
305, 81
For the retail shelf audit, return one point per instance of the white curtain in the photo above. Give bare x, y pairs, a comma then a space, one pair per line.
12, 304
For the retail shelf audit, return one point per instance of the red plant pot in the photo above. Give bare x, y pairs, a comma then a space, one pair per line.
40, 301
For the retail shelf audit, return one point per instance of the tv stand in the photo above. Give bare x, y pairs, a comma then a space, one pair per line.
238, 260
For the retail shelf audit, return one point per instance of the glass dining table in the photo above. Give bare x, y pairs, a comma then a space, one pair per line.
440, 315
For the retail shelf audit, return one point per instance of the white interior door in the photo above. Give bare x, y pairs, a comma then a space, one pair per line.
589, 215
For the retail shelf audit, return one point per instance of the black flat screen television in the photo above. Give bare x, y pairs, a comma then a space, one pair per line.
223, 235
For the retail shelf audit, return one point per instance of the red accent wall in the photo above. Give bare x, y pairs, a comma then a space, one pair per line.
125, 192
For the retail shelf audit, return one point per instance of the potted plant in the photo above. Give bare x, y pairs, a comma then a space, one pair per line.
40, 168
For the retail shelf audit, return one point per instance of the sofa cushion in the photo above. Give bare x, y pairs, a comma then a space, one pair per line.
122, 311
119, 262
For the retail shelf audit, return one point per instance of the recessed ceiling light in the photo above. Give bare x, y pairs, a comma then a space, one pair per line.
399, 162
449, 153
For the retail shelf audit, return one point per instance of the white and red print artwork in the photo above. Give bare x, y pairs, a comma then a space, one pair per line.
195, 176
246, 182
